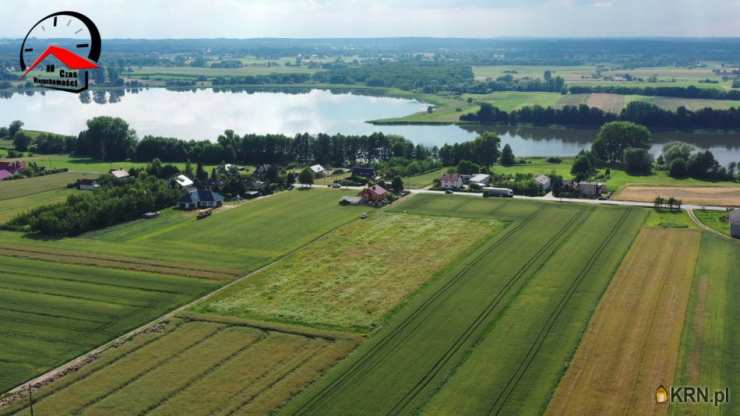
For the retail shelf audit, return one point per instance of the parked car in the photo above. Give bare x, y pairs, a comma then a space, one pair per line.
336, 185
449, 192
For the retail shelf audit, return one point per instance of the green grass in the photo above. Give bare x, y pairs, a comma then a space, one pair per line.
545, 253
11, 208
194, 72
354, 276
667, 219
716, 220
231, 242
422, 181
20, 188
52, 312
710, 342
89, 165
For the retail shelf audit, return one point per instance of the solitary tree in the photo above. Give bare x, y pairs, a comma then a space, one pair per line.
397, 184
613, 138
14, 128
507, 156
582, 168
306, 177
21, 141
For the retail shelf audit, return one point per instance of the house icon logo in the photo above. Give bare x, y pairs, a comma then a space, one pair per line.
661, 395
60, 50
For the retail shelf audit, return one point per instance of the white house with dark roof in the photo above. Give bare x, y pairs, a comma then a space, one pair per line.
451, 181
200, 198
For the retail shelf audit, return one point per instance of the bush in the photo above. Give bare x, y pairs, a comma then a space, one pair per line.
679, 168
554, 160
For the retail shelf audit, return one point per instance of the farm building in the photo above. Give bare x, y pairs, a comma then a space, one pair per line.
13, 166
544, 183
735, 223
318, 171
200, 198
120, 175
591, 189
183, 181
451, 181
480, 179
374, 194
87, 185
364, 172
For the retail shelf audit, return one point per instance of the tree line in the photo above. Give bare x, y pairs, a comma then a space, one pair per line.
639, 112
676, 92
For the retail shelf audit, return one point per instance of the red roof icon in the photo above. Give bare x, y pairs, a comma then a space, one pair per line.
70, 59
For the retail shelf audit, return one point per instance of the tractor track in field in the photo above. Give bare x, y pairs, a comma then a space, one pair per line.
534, 349
482, 317
355, 368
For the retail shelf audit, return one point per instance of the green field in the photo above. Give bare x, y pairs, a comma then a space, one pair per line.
10, 208
523, 294
356, 275
52, 312
235, 240
670, 219
422, 181
710, 345
20, 188
716, 220
91, 166
172, 371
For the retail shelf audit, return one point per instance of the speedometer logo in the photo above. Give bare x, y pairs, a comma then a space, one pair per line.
60, 50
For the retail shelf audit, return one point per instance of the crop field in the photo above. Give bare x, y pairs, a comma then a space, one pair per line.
232, 242
441, 342
10, 208
52, 312
710, 345
354, 276
721, 196
173, 371
31, 186
93, 167
644, 309
610, 103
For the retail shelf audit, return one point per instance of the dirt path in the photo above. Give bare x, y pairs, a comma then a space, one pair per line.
632, 343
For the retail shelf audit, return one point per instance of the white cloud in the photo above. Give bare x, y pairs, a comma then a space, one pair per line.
351, 18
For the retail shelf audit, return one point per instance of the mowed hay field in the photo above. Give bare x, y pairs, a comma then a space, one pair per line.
20, 188
434, 345
193, 368
234, 241
721, 196
351, 278
52, 312
632, 343
710, 346
10, 208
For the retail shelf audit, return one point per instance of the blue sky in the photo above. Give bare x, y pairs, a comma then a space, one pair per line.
383, 18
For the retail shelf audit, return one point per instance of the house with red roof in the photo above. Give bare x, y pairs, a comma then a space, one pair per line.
374, 194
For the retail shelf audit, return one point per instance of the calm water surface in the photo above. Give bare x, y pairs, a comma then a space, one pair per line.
205, 113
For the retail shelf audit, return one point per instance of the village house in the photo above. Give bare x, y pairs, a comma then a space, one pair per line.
451, 181
318, 171
200, 198
9, 169
544, 182
480, 179
591, 189
87, 185
374, 194
735, 223
368, 173
183, 181
120, 175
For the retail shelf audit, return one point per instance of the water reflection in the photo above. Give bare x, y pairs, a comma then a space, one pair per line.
205, 113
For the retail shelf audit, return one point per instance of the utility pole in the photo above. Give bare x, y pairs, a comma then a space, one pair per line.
30, 398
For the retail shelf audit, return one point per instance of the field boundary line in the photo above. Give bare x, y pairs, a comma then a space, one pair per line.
84, 357
563, 233
369, 355
553, 318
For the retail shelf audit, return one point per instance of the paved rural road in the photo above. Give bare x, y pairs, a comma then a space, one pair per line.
551, 199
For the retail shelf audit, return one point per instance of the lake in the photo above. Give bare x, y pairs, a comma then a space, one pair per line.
205, 113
